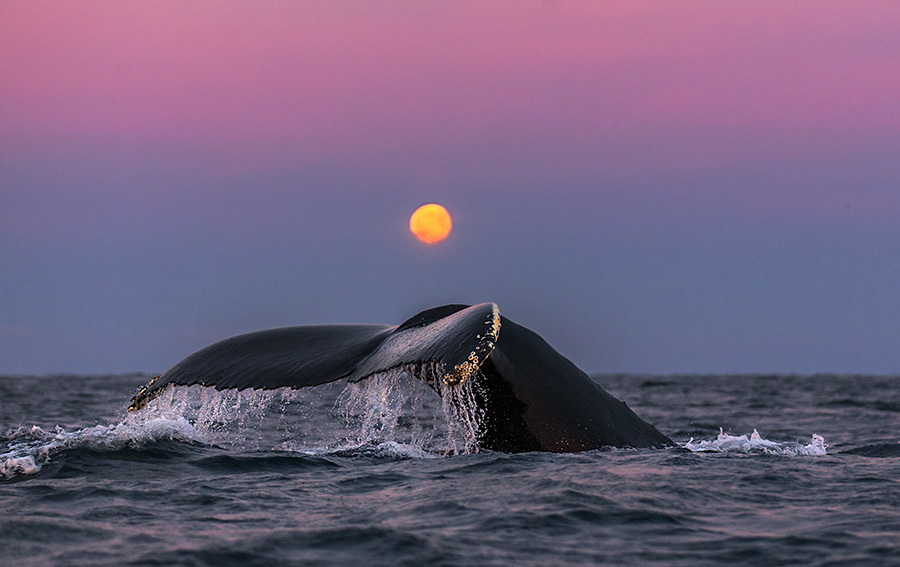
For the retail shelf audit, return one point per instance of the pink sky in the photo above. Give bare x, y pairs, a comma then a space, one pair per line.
561, 90
330, 79
653, 127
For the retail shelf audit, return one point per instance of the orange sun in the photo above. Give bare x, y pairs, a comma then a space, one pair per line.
430, 223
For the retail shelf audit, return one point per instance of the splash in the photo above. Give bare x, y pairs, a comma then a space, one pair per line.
394, 414
463, 414
398, 408
221, 417
756, 444
192, 415
394, 410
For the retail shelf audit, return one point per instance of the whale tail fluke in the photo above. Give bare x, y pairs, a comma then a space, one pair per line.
454, 340
530, 397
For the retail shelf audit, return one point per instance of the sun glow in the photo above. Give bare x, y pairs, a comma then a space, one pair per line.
430, 223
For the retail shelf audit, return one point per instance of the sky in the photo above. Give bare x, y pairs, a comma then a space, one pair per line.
654, 187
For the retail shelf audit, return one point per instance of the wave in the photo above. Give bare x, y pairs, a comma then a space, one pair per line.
756, 444
877, 405
26, 450
876, 450
387, 416
392, 450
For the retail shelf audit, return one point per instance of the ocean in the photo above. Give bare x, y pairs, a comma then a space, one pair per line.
769, 470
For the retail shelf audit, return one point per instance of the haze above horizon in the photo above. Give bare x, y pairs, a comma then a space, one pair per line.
663, 188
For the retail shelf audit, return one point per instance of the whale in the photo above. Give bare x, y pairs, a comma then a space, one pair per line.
529, 397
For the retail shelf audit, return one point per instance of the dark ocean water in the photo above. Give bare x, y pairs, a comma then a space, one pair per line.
378, 475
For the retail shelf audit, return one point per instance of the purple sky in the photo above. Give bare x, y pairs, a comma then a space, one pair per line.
653, 187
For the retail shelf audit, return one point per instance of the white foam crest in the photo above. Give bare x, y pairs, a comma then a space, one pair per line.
756, 444
30, 449
12, 466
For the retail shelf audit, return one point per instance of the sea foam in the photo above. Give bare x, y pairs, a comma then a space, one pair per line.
726, 443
